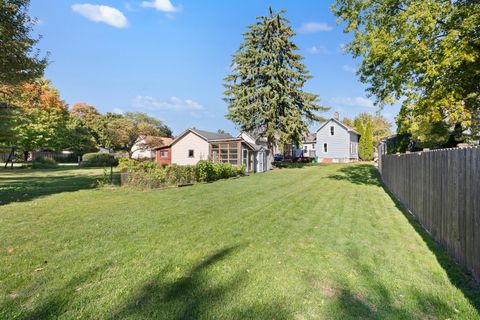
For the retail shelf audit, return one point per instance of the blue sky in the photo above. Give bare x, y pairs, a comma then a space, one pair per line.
168, 58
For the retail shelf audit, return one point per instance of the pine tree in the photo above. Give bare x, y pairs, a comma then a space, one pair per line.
265, 90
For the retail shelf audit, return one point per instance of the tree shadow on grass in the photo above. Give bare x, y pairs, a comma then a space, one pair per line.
195, 296
375, 301
57, 303
361, 174
457, 275
29, 187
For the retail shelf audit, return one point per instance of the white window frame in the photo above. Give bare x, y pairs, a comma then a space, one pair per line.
193, 153
163, 153
332, 130
325, 147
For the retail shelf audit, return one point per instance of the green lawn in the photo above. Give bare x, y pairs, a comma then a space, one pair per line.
324, 242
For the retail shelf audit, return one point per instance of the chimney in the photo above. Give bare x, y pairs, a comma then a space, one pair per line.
336, 116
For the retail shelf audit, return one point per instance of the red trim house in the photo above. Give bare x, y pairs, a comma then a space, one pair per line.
163, 154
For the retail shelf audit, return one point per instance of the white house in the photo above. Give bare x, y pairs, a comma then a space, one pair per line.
144, 147
336, 142
194, 145
307, 148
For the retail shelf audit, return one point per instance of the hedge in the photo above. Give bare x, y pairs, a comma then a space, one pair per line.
149, 174
98, 159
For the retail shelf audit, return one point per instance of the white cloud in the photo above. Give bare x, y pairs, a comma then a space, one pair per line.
348, 68
173, 104
161, 5
101, 13
312, 27
317, 50
352, 102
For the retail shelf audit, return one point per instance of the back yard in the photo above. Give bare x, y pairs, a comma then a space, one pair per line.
307, 243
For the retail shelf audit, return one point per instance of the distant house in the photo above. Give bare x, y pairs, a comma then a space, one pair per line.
194, 145
163, 153
336, 142
144, 147
308, 147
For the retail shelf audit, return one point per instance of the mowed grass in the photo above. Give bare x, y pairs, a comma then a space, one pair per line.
323, 242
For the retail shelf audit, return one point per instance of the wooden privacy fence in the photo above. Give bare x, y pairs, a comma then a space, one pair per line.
442, 189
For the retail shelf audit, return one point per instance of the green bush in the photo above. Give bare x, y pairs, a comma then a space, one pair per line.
149, 174
178, 175
44, 163
99, 160
205, 171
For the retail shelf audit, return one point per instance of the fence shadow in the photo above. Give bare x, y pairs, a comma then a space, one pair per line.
23, 185
360, 174
194, 295
457, 275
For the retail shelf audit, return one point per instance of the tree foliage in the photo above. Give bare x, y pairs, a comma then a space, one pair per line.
78, 137
265, 90
19, 60
122, 132
425, 53
368, 137
380, 126
38, 117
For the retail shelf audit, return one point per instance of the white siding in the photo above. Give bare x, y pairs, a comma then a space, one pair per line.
338, 145
307, 148
141, 151
193, 142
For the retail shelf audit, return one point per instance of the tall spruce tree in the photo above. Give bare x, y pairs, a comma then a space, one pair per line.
265, 90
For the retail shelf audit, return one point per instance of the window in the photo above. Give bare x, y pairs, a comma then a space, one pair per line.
191, 153
305, 148
164, 154
332, 130
313, 146
325, 148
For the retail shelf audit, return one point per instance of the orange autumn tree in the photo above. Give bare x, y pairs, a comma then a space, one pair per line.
39, 116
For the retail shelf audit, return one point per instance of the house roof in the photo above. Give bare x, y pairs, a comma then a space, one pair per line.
205, 135
212, 135
340, 124
165, 142
310, 137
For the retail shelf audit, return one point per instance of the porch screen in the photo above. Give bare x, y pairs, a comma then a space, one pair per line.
225, 152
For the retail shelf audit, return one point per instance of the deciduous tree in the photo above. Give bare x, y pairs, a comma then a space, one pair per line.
19, 60
40, 115
424, 52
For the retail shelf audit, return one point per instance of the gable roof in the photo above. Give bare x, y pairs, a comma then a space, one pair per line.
340, 124
212, 135
310, 137
205, 135
166, 142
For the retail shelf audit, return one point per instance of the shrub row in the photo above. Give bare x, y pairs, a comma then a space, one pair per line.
98, 159
149, 174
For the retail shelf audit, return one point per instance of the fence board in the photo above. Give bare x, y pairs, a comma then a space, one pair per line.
442, 189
